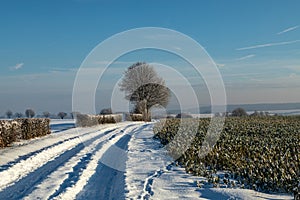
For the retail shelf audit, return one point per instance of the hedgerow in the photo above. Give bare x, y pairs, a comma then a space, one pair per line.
134, 117
15, 130
85, 120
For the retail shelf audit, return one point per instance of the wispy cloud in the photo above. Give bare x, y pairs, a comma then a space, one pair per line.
178, 48
220, 65
246, 57
104, 62
295, 68
268, 45
60, 69
17, 66
288, 30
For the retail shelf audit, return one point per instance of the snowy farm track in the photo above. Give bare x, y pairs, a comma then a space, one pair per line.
62, 168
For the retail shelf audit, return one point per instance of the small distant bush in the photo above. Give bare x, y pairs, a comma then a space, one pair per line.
74, 114
106, 111
29, 113
84, 120
46, 114
18, 115
62, 115
239, 112
184, 115
134, 117
170, 117
260, 114
9, 114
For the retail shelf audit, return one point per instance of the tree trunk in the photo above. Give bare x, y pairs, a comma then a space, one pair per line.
145, 109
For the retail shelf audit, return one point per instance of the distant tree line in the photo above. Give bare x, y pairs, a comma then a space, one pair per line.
241, 112
30, 113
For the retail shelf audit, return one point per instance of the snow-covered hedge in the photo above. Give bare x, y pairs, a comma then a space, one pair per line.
134, 117
9, 131
31, 128
14, 130
85, 120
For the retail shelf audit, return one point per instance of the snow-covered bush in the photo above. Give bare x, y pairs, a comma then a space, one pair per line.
84, 120
118, 117
31, 128
106, 119
134, 117
9, 132
14, 130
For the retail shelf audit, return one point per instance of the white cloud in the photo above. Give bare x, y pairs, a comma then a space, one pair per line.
288, 30
268, 45
220, 65
17, 66
246, 57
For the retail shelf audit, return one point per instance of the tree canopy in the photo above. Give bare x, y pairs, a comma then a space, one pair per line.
144, 88
29, 113
62, 115
239, 112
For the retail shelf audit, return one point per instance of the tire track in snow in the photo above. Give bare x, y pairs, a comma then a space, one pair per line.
23, 168
37, 145
108, 182
66, 175
85, 177
24, 157
25, 185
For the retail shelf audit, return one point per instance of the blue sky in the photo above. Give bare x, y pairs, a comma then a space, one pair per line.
256, 45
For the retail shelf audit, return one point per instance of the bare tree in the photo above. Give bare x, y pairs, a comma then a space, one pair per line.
74, 114
239, 112
29, 113
62, 115
106, 111
18, 115
46, 114
9, 114
144, 88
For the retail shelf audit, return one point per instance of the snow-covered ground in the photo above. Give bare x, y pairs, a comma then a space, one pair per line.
58, 125
113, 161
151, 174
285, 112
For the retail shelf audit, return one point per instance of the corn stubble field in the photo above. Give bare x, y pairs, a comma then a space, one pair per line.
260, 153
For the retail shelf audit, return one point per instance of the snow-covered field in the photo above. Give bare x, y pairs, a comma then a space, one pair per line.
113, 161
